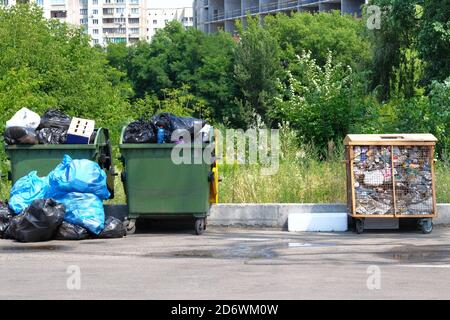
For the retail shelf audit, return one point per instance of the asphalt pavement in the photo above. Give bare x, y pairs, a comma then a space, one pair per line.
230, 263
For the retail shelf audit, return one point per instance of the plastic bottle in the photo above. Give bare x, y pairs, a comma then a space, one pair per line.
160, 135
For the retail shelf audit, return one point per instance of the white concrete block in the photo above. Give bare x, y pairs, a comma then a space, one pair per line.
324, 221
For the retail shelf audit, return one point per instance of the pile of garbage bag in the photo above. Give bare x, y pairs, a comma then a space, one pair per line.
27, 127
373, 168
166, 128
66, 204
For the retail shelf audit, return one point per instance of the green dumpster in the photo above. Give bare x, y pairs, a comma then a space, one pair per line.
43, 158
155, 186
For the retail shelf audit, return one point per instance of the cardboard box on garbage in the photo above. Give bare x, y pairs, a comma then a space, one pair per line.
80, 131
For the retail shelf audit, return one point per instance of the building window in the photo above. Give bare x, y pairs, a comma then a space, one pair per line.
191, 19
58, 14
39, 2
135, 10
94, 21
134, 1
58, 2
83, 2
120, 10
84, 21
133, 20
95, 31
108, 11
95, 2
95, 41
95, 11
119, 20
107, 1
155, 21
134, 30
166, 21
119, 1
83, 12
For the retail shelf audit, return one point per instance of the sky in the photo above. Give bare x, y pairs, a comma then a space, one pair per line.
169, 3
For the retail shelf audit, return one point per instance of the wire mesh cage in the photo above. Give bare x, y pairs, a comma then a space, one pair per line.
390, 176
413, 180
372, 176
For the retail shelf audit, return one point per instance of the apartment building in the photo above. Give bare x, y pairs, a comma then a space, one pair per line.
212, 15
63, 10
157, 18
106, 21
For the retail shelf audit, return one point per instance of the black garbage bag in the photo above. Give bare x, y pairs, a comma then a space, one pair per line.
114, 228
54, 118
5, 217
20, 135
170, 122
68, 231
53, 127
140, 131
38, 222
52, 135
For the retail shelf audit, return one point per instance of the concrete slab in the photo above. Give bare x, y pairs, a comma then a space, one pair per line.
318, 222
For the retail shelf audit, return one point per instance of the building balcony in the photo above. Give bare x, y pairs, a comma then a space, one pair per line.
308, 2
219, 15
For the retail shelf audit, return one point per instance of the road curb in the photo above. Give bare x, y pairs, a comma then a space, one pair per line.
269, 215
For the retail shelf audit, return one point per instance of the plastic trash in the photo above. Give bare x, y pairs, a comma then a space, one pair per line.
171, 123
26, 190
84, 210
54, 118
68, 231
83, 176
114, 228
140, 132
20, 135
161, 135
52, 135
38, 222
5, 217
205, 133
24, 118
53, 127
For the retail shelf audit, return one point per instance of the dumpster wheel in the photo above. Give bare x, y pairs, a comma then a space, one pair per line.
130, 225
359, 226
426, 225
200, 225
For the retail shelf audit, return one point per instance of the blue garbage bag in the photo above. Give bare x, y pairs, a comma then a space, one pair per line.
84, 210
26, 190
83, 176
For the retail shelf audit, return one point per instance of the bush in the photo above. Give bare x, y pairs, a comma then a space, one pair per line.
321, 102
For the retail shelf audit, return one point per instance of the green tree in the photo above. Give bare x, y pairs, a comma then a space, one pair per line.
45, 63
319, 33
177, 57
396, 66
257, 67
434, 40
